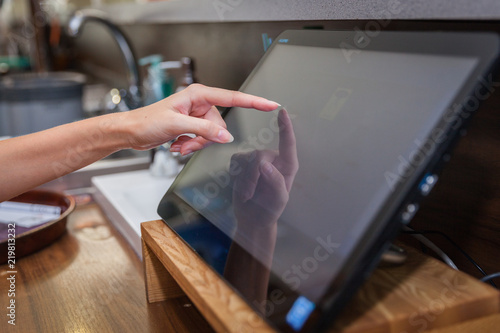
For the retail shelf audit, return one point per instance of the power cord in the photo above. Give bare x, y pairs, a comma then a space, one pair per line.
427, 242
422, 232
490, 277
411, 231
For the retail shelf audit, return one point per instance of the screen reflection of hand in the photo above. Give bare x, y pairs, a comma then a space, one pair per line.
261, 189
261, 192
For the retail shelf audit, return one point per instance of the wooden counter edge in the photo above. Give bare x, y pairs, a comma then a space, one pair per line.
224, 309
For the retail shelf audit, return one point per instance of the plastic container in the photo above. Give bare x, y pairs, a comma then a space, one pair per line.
33, 102
158, 83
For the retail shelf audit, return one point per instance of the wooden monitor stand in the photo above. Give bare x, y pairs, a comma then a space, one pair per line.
419, 295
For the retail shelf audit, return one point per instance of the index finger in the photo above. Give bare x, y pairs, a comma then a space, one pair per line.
227, 98
288, 159
287, 143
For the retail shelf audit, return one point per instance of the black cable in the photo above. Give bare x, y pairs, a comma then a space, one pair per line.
491, 276
423, 248
454, 244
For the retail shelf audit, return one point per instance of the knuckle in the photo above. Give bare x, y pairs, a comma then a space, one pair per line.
194, 89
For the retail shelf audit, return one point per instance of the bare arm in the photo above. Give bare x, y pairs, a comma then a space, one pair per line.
31, 160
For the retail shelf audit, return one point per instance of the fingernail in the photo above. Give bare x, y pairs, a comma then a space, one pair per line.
225, 136
266, 168
187, 152
175, 149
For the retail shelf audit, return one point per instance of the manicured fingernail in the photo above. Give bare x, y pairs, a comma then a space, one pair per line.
187, 152
277, 104
175, 149
266, 168
225, 136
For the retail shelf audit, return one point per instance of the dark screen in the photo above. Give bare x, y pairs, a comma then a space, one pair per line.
279, 211
348, 161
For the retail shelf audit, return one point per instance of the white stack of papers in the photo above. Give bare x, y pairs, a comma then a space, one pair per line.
27, 215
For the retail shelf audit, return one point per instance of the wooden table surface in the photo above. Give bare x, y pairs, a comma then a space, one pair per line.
90, 280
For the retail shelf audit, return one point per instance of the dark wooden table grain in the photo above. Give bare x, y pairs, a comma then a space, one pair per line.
89, 280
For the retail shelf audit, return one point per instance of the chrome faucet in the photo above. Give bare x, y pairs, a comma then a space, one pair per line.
75, 24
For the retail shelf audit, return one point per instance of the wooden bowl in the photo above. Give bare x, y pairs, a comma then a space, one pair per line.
29, 240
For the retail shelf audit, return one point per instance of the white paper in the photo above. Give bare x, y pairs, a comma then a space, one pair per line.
27, 215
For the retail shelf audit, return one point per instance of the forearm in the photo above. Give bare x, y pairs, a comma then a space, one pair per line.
249, 260
31, 160
258, 240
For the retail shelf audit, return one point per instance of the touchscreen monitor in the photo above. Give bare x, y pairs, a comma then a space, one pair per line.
297, 210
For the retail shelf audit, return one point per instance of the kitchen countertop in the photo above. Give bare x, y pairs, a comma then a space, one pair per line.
90, 280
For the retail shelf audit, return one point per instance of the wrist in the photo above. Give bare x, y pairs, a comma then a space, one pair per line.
255, 229
115, 130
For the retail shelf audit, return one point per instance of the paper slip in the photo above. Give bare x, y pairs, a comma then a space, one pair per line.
27, 215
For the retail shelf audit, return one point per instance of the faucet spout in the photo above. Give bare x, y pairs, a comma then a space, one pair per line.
74, 28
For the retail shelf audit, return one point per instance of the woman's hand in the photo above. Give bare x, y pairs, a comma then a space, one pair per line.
189, 111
